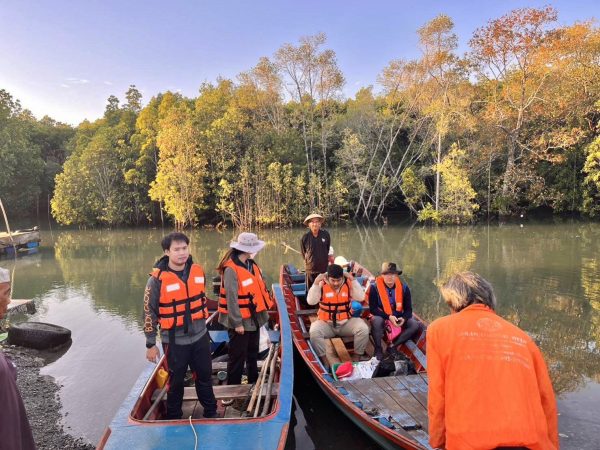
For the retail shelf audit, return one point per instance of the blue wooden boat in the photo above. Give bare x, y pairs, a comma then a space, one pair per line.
231, 430
392, 410
20, 242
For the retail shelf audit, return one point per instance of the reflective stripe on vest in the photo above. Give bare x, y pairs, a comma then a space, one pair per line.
252, 292
385, 299
334, 306
177, 296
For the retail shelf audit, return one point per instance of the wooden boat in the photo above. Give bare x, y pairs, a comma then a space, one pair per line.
232, 428
392, 410
21, 240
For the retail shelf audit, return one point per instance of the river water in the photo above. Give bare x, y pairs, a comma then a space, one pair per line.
546, 278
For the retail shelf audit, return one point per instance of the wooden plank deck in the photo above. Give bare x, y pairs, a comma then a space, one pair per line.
340, 349
403, 398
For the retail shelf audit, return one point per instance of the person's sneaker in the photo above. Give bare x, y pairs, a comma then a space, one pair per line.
363, 357
210, 416
227, 401
393, 353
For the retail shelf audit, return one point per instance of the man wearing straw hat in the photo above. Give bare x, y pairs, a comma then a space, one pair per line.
314, 247
15, 431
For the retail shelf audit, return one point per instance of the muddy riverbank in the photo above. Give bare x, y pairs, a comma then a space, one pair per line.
40, 395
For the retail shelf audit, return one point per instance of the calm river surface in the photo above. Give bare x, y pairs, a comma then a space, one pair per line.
546, 277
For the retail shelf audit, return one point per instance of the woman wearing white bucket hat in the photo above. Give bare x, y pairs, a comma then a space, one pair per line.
243, 304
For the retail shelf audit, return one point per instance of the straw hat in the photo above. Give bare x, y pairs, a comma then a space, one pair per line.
248, 243
313, 216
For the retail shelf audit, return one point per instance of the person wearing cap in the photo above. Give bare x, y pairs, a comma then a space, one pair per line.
15, 431
390, 299
244, 302
314, 247
333, 292
350, 266
488, 383
175, 303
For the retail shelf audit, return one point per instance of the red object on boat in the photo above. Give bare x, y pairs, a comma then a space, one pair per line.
344, 370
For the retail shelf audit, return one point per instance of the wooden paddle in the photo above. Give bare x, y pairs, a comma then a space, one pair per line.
270, 383
287, 247
258, 384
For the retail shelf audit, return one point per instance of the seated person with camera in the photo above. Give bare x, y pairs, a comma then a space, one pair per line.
333, 291
390, 299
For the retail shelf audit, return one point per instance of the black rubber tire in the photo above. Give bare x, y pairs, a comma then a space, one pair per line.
38, 335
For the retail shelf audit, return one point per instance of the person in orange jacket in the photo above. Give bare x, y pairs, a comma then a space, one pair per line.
488, 383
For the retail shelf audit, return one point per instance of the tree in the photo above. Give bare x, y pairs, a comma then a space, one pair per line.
457, 196
503, 53
134, 99
181, 167
591, 197
20, 158
314, 82
446, 97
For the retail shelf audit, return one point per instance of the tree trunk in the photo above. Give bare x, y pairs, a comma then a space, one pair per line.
437, 172
508, 176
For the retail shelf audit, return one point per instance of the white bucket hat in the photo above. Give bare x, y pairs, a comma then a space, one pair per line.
248, 243
341, 261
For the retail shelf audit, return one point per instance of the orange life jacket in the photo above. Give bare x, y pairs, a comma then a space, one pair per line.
334, 305
382, 290
176, 296
252, 291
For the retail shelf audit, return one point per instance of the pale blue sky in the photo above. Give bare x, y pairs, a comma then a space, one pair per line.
64, 58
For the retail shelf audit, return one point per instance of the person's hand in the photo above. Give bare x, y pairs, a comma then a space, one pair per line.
400, 321
393, 319
320, 278
152, 354
349, 276
240, 329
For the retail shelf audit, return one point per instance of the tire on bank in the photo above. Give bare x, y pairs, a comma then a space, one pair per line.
38, 335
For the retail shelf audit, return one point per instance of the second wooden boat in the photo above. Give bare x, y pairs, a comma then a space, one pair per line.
392, 410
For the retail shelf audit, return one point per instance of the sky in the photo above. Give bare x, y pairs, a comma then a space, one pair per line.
64, 58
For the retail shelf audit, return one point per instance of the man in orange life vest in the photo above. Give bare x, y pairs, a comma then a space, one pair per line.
390, 299
174, 299
334, 292
488, 384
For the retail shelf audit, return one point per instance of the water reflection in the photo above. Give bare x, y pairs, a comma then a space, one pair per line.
546, 277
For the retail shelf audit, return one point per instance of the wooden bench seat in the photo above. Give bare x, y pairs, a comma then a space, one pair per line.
225, 391
222, 365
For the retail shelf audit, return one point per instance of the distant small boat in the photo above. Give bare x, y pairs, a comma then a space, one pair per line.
131, 429
392, 410
19, 241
